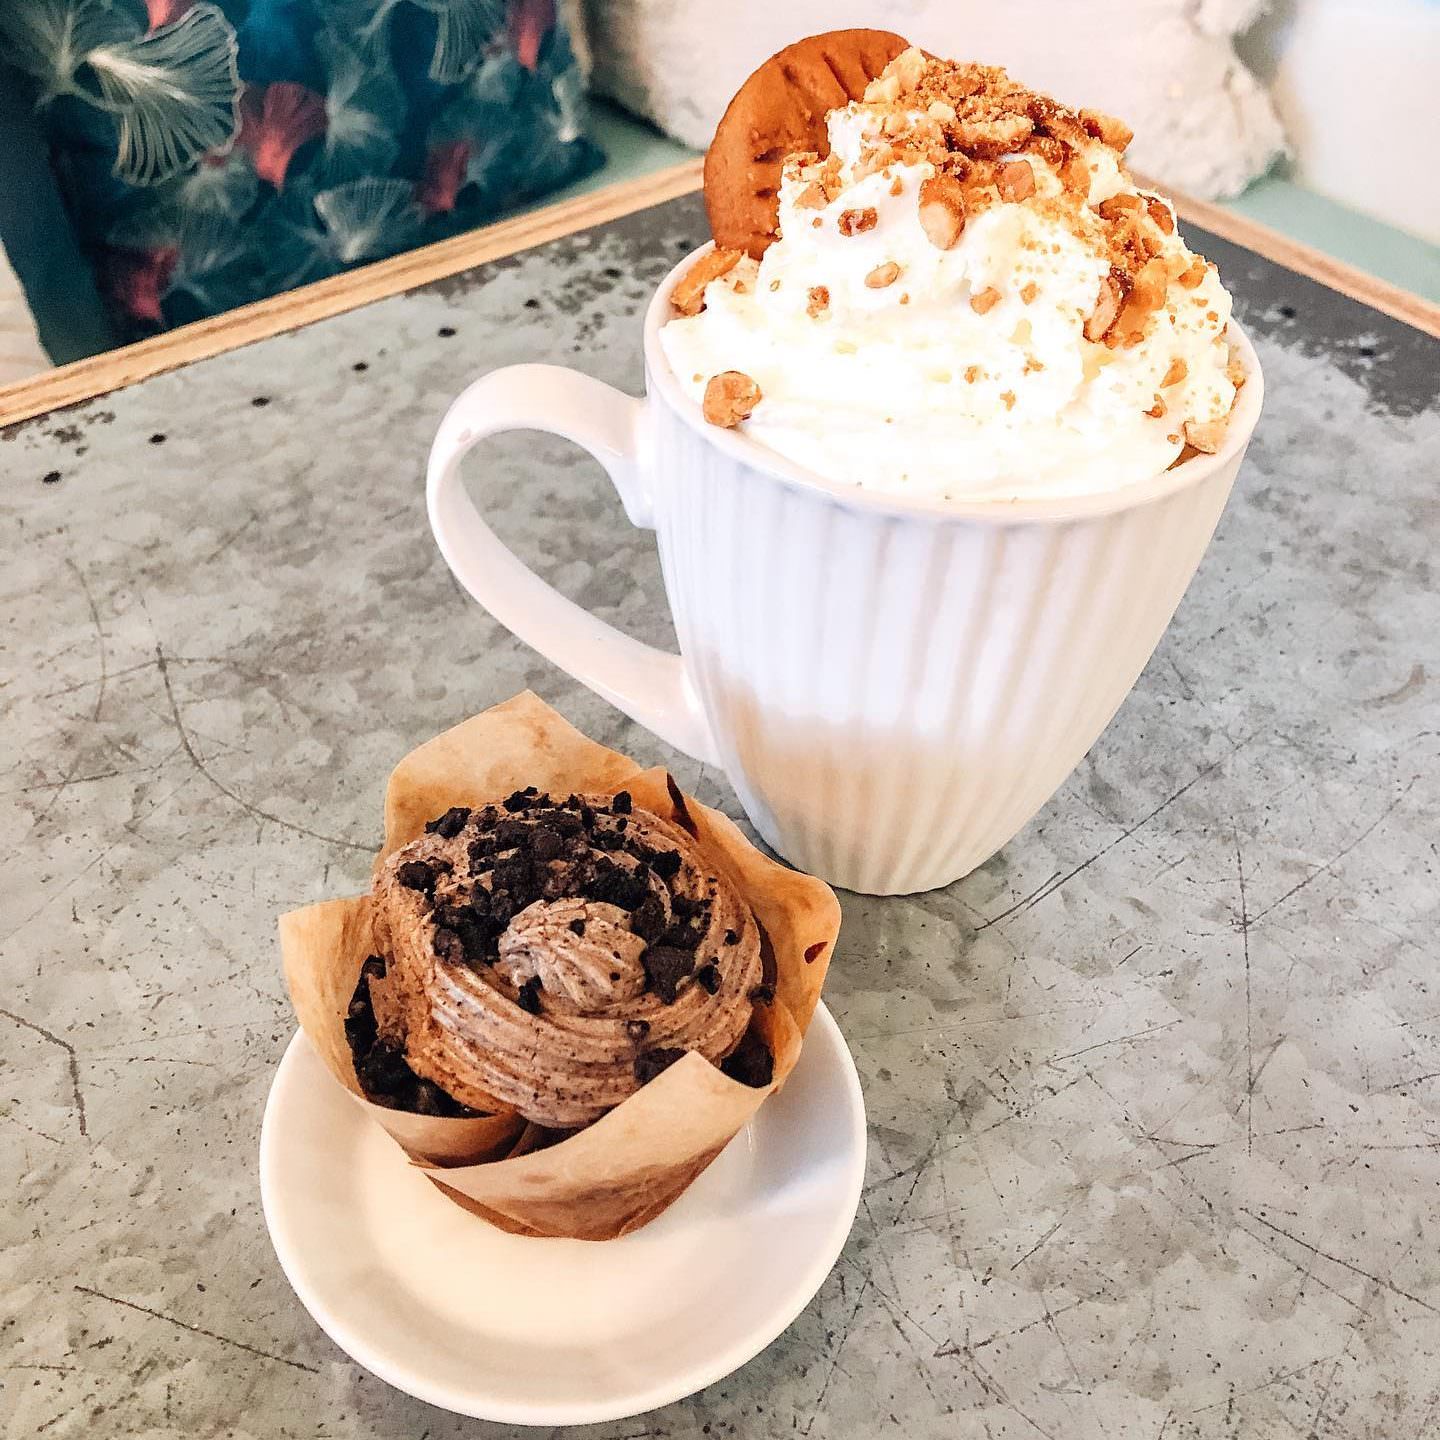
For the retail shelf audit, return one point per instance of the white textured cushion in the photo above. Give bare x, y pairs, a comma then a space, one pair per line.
1202, 121
20, 351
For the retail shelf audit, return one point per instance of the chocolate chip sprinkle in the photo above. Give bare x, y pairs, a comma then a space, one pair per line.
708, 976
577, 927
529, 996
621, 804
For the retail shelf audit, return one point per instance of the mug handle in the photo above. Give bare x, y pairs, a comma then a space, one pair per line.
648, 684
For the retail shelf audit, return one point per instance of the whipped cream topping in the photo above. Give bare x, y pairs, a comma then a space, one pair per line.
548, 957
969, 298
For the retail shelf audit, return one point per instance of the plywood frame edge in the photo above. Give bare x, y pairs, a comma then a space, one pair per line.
102, 374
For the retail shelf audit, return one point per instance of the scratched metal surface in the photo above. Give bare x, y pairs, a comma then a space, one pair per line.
1154, 1096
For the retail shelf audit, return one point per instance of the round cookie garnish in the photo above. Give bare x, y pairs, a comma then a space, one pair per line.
778, 111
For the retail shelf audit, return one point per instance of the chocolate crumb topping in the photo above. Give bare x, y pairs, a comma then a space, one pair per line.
449, 947
650, 1063
417, 875
708, 976
577, 927
637, 1030
751, 1062
451, 823
529, 996
649, 919
621, 804
665, 967
381, 1068
666, 863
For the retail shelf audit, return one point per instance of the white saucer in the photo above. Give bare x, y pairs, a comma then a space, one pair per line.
560, 1332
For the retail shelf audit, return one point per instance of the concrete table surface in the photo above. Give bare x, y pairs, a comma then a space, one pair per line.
1154, 1095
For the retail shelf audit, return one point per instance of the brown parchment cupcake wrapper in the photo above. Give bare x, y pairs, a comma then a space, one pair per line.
623, 1170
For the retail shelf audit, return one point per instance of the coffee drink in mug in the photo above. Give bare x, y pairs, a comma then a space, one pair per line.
932, 447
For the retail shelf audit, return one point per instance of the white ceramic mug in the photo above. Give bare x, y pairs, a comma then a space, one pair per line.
893, 685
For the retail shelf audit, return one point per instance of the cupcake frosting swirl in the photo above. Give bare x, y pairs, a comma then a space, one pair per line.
548, 956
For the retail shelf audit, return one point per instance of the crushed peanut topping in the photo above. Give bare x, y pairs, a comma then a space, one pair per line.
984, 301
1157, 410
882, 275
972, 374
1028, 292
1194, 275
857, 222
817, 301
1015, 180
1161, 214
942, 210
1175, 374
1118, 206
1008, 399
1207, 436
983, 134
688, 296
1075, 175
1107, 306
1107, 129
730, 397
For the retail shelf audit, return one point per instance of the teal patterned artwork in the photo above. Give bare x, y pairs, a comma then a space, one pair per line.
218, 152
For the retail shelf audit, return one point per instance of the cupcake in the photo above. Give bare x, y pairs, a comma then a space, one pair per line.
569, 986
